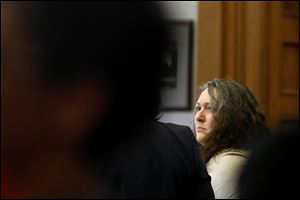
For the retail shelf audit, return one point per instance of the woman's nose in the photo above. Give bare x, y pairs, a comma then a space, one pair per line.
200, 116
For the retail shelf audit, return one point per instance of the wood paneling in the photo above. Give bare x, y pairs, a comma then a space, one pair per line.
283, 58
290, 8
289, 78
238, 51
274, 56
289, 106
209, 42
290, 29
257, 43
254, 67
234, 28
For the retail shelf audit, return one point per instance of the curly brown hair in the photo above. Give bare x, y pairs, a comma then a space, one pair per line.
239, 117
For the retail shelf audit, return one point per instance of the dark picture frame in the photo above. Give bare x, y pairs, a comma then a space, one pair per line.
176, 77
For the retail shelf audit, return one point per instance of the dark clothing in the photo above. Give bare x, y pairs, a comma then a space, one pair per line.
163, 162
272, 166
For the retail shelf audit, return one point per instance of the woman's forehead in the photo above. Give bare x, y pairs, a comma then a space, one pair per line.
204, 97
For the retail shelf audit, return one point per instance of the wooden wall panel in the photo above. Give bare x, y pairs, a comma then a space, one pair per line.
289, 63
256, 43
290, 8
289, 107
289, 75
290, 29
209, 41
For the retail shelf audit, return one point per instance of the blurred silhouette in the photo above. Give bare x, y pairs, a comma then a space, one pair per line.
79, 101
163, 162
227, 118
272, 164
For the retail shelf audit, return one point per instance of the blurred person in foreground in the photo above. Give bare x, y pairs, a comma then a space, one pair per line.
79, 101
273, 163
228, 117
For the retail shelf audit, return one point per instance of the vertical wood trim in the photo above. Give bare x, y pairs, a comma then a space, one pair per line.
241, 40
233, 40
265, 60
230, 17
275, 62
254, 47
210, 41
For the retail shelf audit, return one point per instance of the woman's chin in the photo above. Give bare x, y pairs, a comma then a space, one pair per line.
200, 137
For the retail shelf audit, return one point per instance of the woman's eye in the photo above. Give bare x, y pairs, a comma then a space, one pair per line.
197, 109
209, 108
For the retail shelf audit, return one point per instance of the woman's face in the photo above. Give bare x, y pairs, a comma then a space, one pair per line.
204, 119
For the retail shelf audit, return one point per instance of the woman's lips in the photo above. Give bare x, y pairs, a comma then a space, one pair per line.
201, 128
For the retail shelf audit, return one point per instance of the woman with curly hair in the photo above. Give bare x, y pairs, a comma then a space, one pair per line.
227, 117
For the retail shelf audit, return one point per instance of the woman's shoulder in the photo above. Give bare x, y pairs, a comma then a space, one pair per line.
228, 159
224, 169
233, 153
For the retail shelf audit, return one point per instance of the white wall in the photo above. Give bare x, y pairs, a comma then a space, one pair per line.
180, 9
187, 10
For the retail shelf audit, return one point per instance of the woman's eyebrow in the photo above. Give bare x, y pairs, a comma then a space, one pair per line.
204, 104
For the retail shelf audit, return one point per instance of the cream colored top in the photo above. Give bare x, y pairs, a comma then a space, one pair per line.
225, 169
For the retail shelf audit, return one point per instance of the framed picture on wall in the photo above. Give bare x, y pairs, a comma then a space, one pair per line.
176, 77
